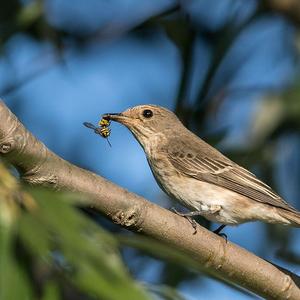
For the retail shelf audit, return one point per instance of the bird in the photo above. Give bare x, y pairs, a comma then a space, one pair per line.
200, 177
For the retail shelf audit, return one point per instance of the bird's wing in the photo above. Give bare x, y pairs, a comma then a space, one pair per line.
218, 170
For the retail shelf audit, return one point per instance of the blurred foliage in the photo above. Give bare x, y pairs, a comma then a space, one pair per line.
27, 18
49, 250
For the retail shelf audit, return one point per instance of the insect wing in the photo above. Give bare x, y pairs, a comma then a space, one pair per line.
89, 125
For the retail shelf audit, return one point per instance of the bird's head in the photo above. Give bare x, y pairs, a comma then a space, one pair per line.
145, 120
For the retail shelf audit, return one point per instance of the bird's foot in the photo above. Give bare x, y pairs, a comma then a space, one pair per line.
188, 217
219, 233
208, 210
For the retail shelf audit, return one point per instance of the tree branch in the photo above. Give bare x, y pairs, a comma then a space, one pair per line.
39, 166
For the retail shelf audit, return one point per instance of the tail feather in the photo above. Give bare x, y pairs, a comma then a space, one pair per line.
292, 216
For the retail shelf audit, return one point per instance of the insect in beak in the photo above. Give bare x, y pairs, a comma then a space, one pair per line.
103, 130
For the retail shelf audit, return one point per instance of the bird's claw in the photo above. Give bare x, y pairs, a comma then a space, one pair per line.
177, 212
192, 221
219, 233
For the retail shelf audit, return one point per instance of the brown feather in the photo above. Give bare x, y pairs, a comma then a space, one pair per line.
293, 217
216, 169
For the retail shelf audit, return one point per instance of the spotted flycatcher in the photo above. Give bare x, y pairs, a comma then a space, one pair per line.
198, 175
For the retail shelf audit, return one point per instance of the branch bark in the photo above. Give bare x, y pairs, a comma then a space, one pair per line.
39, 166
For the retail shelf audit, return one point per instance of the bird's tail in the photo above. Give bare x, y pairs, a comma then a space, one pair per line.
292, 216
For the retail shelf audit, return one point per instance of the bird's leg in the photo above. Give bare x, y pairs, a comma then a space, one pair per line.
185, 215
218, 231
193, 223
204, 210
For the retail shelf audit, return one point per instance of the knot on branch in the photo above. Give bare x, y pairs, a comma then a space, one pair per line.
287, 285
12, 142
217, 260
5, 147
8, 140
130, 217
45, 180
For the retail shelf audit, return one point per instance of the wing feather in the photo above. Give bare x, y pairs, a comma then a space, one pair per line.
224, 173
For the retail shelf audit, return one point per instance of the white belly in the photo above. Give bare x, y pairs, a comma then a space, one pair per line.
197, 195
235, 208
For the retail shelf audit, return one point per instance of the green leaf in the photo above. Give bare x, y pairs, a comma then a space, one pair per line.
164, 291
84, 254
30, 13
51, 291
14, 282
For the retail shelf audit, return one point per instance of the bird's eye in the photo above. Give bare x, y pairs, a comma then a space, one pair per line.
147, 113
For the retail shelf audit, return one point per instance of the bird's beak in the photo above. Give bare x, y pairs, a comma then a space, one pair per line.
117, 117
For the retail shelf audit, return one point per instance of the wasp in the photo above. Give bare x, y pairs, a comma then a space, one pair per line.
103, 130
104, 122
